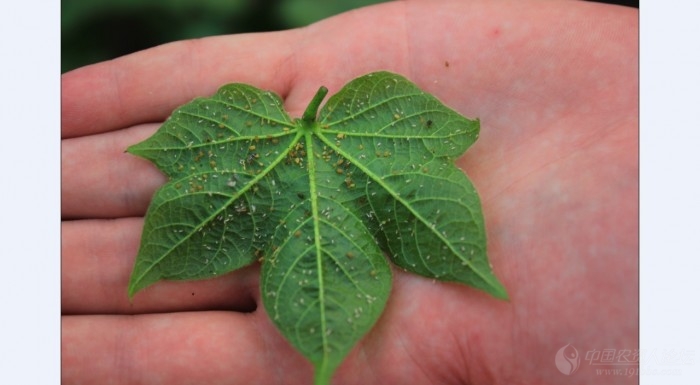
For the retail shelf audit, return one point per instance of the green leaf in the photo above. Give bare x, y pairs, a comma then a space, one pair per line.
320, 200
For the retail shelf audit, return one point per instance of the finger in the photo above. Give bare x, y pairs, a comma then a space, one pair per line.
100, 180
180, 348
232, 348
97, 259
148, 85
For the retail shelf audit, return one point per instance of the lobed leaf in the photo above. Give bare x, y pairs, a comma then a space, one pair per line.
319, 201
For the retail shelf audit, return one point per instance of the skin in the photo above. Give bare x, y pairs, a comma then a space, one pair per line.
555, 85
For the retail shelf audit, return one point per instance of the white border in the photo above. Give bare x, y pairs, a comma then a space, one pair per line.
670, 192
30, 199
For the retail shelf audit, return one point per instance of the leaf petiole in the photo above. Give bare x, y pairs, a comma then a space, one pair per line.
311, 111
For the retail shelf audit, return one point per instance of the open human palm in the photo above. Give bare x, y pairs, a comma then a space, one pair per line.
555, 87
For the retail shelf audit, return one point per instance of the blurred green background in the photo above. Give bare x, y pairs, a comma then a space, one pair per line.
97, 30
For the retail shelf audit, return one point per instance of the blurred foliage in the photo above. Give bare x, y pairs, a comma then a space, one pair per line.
97, 30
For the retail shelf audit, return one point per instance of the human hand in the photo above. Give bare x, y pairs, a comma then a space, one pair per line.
555, 87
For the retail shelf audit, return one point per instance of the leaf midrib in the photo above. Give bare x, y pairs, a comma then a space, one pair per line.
369, 107
234, 106
313, 197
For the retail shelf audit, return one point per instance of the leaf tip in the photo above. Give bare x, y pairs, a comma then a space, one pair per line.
136, 285
323, 374
131, 149
494, 287
131, 291
499, 291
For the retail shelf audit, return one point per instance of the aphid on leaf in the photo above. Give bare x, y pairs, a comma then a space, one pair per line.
252, 157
